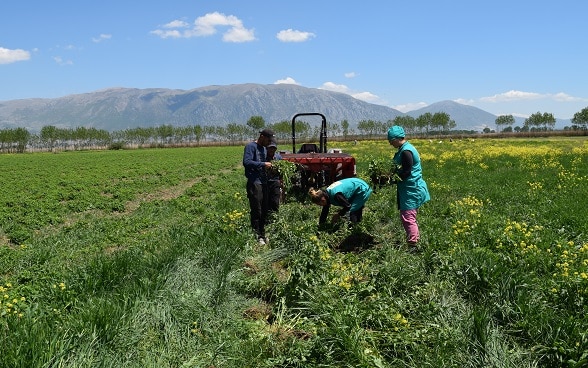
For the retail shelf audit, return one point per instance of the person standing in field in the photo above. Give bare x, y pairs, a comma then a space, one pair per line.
411, 188
274, 182
350, 193
256, 165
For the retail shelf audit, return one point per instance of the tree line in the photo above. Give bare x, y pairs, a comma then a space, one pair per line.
540, 122
52, 138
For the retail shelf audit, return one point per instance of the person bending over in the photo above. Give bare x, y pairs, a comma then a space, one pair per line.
350, 194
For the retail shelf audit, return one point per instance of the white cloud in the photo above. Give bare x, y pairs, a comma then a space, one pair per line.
330, 86
350, 75
512, 95
238, 34
522, 104
8, 56
101, 38
363, 96
207, 25
564, 97
287, 80
59, 60
366, 96
291, 35
464, 101
410, 106
177, 24
167, 34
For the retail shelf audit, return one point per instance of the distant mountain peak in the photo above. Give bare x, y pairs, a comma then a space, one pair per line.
119, 108
466, 117
122, 108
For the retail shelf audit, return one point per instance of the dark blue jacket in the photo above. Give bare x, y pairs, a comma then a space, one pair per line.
254, 156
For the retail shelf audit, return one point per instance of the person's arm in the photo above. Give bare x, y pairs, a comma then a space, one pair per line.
407, 162
324, 214
250, 160
344, 202
249, 156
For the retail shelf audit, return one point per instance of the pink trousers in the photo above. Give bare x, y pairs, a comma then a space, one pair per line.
409, 222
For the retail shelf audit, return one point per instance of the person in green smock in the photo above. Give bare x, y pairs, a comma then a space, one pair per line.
350, 194
412, 191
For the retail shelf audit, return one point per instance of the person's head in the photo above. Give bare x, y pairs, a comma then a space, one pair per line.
265, 137
319, 197
272, 147
396, 136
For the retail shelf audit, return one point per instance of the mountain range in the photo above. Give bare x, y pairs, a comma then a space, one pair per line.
124, 108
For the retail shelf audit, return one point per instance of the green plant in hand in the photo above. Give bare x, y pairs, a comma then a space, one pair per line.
287, 170
382, 171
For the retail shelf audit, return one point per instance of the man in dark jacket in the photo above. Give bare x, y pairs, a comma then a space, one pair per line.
254, 161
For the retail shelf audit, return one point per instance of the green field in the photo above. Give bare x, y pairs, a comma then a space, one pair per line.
144, 258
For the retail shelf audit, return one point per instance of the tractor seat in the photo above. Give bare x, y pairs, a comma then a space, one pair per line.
308, 148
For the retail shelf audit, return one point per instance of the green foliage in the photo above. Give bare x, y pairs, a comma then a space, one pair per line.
144, 258
256, 123
581, 117
382, 171
287, 171
116, 146
506, 120
547, 120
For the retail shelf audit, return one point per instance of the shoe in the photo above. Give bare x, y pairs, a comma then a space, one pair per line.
414, 249
261, 241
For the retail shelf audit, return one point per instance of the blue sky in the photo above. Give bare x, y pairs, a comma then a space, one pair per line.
514, 57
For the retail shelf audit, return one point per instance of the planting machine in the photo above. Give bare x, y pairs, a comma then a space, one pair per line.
315, 166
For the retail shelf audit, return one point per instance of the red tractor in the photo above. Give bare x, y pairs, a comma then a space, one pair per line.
316, 167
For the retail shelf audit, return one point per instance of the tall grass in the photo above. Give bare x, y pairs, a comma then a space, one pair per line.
173, 277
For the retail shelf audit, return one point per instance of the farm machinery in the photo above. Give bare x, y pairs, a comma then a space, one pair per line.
315, 166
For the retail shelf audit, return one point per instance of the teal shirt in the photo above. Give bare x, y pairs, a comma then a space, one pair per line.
412, 191
355, 190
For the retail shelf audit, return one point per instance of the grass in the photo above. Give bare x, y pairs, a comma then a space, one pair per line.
171, 276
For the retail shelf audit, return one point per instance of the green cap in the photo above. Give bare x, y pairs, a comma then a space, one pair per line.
395, 132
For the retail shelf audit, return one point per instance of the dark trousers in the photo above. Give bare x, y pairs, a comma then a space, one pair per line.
258, 212
356, 216
274, 195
